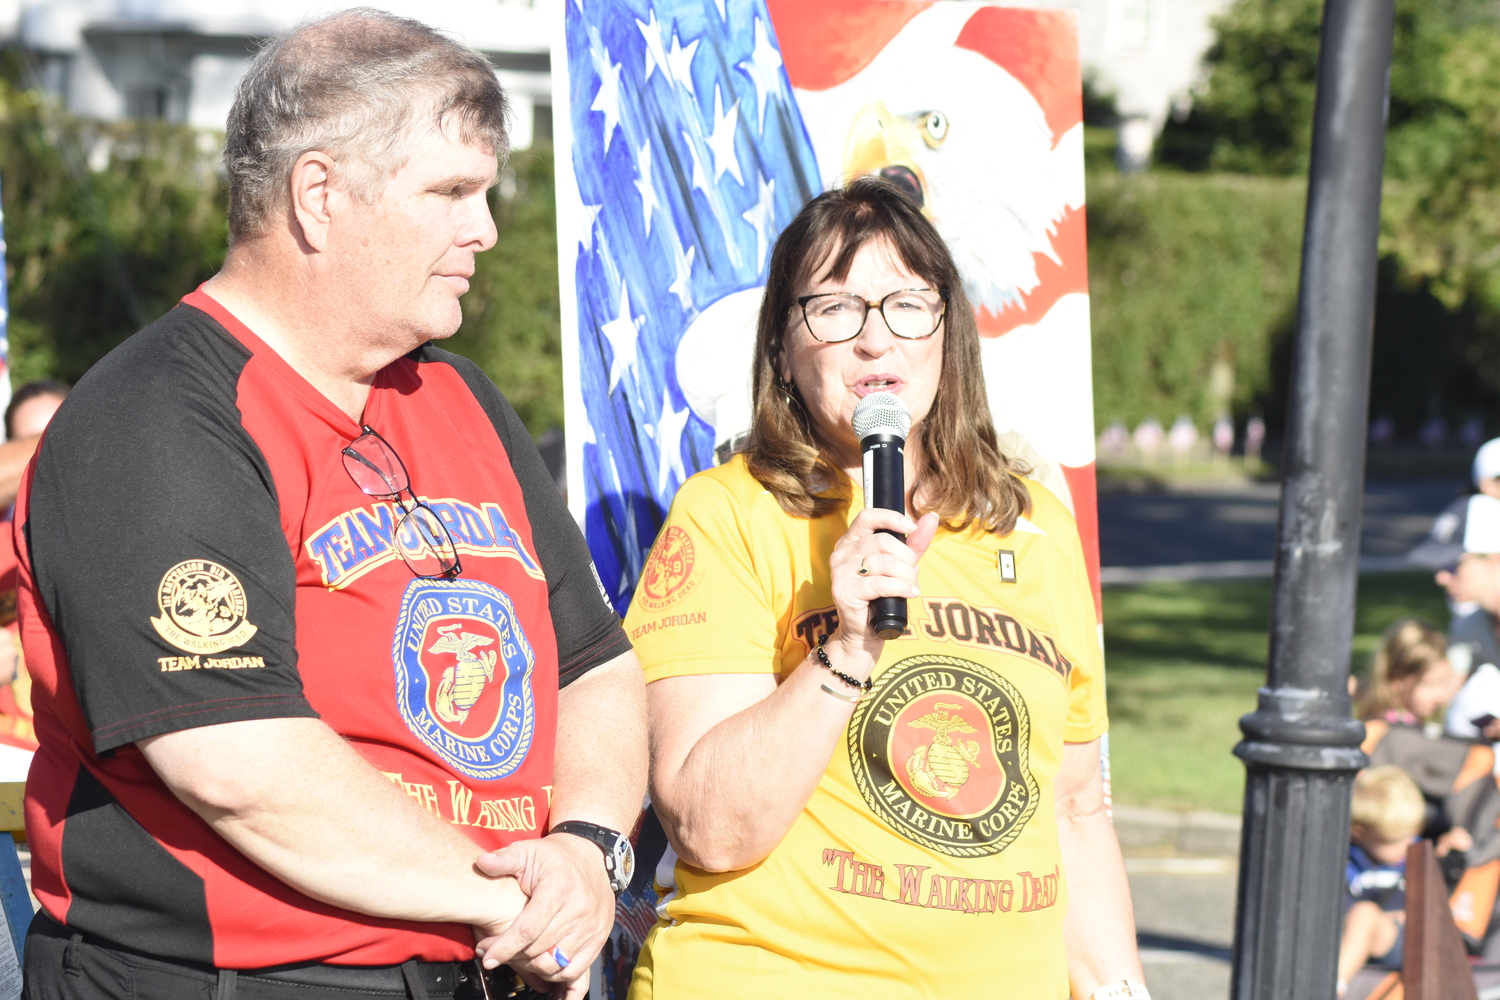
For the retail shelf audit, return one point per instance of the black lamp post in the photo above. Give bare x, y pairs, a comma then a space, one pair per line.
1301, 745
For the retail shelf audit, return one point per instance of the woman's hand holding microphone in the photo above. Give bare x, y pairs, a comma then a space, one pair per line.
869, 563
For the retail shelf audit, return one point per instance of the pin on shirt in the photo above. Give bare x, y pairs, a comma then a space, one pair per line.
1006, 559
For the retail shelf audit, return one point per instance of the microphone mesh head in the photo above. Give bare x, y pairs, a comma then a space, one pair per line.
881, 413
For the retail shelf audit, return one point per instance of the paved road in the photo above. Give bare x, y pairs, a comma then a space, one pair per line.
1184, 907
1184, 913
1238, 522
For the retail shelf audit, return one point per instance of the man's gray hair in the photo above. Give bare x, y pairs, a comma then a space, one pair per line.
359, 85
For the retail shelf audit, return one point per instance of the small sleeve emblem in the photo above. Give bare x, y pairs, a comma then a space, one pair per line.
668, 576
202, 608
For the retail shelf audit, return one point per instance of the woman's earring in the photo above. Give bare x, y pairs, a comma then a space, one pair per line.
786, 391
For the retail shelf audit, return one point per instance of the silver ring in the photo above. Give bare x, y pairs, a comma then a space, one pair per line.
863, 569
563, 961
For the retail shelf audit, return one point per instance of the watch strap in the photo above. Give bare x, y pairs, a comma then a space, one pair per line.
611, 842
601, 835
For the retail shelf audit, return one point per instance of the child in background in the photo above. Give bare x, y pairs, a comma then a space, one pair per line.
1411, 679
1385, 817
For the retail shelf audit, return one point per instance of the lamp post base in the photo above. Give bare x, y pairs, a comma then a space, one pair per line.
1293, 848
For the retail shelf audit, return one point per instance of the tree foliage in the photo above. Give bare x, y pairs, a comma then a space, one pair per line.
1441, 219
510, 326
1253, 111
108, 225
1437, 351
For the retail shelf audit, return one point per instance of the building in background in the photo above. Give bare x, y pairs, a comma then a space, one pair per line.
180, 59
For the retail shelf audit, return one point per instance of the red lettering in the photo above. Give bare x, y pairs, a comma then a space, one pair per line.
911, 883
830, 856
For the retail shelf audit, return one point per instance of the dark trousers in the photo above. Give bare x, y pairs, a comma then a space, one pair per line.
63, 965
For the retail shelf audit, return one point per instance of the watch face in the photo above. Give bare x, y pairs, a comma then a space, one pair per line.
624, 855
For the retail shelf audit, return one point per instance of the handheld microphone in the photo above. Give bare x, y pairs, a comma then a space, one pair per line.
881, 422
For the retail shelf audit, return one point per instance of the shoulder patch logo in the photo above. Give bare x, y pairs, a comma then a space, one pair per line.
940, 749
668, 576
202, 608
463, 675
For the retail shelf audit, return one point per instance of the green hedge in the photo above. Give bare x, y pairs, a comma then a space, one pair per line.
1186, 269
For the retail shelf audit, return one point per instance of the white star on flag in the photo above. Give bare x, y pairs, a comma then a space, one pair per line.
699, 180
762, 217
669, 442
590, 216
679, 287
656, 46
621, 332
680, 63
607, 101
721, 143
764, 69
644, 186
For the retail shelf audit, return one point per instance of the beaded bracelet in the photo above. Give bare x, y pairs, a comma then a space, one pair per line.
823, 659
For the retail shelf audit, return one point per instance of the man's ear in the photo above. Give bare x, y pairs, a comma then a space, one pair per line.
310, 197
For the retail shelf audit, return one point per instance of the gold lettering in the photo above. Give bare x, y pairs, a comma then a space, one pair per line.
518, 813
459, 798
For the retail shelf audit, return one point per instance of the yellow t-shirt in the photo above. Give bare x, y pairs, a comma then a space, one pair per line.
926, 863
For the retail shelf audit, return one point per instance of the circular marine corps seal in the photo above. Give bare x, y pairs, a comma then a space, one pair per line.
668, 576
464, 675
940, 752
202, 608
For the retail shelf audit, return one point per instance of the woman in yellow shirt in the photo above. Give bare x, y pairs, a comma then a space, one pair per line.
853, 817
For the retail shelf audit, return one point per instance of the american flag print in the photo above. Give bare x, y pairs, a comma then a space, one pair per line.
685, 157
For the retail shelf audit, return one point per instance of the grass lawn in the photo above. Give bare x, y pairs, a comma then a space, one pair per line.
1184, 662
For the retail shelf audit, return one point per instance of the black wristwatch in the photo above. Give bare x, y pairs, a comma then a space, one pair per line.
619, 855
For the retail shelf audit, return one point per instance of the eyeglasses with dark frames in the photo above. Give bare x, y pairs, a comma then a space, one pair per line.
909, 313
421, 538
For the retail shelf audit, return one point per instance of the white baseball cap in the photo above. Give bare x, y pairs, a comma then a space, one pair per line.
1487, 461
1468, 525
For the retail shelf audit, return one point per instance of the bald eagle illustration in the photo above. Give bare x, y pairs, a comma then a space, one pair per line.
977, 151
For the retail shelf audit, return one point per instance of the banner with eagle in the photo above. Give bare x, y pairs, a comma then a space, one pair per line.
689, 132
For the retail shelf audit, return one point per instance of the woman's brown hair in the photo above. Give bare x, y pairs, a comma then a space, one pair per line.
966, 478
1408, 649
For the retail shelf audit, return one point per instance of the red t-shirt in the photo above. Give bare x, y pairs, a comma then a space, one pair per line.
193, 552
16, 728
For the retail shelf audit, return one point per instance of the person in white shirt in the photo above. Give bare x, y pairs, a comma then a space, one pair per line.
1468, 568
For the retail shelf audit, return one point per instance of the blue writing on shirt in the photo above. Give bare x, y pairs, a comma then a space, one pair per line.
359, 540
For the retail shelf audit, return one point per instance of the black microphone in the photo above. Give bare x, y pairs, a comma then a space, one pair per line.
881, 422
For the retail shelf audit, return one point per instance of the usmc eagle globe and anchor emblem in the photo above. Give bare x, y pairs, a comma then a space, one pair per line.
463, 675
918, 768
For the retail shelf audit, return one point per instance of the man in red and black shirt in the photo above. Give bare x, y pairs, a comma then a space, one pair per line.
309, 626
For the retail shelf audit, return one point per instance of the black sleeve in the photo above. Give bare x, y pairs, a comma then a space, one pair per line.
155, 541
588, 630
